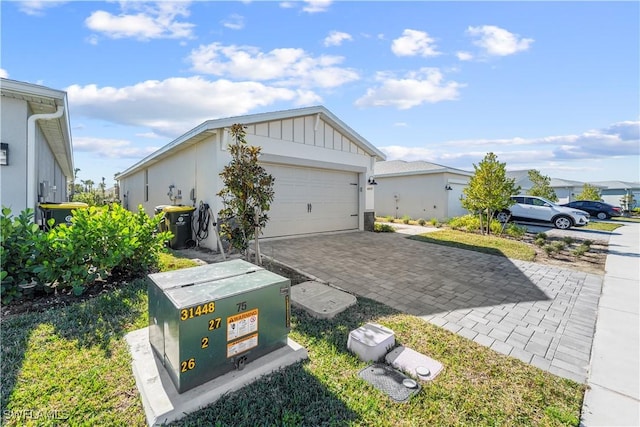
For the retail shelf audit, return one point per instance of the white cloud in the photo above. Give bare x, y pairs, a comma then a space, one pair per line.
158, 20
3, 73
497, 41
234, 22
111, 148
464, 56
315, 6
414, 43
287, 4
424, 86
617, 141
335, 38
38, 7
284, 66
169, 107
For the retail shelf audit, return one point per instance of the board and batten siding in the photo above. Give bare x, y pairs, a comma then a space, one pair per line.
303, 130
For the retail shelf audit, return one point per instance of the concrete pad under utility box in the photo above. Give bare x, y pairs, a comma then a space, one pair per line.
414, 364
319, 300
161, 401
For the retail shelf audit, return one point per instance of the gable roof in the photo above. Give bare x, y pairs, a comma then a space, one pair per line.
43, 100
618, 185
402, 168
210, 127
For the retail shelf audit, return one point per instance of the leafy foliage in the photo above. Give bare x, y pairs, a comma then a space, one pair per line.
489, 191
101, 242
541, 186
247, 194
589, 192
383, 228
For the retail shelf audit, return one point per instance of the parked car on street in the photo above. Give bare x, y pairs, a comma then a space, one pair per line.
538, 209
595, 208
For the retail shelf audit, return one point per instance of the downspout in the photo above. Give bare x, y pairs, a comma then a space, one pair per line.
31, 152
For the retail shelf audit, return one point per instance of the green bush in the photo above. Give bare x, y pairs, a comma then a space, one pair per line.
542, 236
581, 250
466, 222
383, 228
515, 231
568, 240
406, 219
20, 251
434, 222
101, 242
539, 241
422, 222
389, 218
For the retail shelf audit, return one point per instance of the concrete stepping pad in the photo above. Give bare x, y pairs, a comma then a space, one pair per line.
319, 300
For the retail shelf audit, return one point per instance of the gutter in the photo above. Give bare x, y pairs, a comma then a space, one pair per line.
31, 152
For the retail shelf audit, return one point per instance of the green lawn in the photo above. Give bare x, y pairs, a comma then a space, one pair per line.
602, 226
494, 245
70, 366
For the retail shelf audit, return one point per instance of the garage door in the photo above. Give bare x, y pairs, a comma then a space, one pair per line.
309, 200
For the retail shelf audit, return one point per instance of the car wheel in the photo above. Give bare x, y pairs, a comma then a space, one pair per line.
562, 222
503, 216
602, 215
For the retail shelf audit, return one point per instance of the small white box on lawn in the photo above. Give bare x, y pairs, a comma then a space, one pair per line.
371, 341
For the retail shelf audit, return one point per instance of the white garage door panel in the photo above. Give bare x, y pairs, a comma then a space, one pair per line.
311, 200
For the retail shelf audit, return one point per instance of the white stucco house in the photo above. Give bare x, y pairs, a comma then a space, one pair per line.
612, 192
321, 168
36, 162
419, 189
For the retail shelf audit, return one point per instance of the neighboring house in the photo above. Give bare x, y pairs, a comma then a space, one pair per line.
565, 189
612, 191
321, 167
37, 154
419, 189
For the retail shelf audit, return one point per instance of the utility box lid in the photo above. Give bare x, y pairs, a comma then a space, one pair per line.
67, 205
371, 341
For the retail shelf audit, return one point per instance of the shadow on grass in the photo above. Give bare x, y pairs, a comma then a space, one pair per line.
288, 397
90, 323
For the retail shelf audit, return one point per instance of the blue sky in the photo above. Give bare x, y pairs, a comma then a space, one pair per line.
551, 86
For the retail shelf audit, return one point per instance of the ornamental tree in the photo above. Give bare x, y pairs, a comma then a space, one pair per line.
489, 190
246, 196
589, 192
541, 186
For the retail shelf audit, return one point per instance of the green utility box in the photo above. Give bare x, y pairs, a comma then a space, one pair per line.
209, 320
177, 220
60, 212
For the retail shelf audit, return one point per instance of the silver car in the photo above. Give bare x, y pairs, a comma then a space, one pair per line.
538, 209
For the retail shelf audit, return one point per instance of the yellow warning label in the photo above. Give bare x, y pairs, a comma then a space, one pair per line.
242, 345
242, 324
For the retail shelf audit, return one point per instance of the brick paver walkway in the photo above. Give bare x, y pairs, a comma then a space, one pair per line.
542, 315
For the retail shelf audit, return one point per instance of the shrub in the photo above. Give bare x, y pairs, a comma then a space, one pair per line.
568, 240
539, 241
101, 242
434, 222
422, 222
466, 222
559, 245
542, 236
588, 242
515, 231
406, 219
383, 228
581, 250
389, 218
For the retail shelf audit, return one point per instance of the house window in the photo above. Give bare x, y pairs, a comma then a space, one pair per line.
146, 185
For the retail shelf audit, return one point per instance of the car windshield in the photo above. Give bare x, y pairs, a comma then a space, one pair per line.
548, 201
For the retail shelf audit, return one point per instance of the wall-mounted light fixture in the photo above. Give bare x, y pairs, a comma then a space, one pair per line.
448, 187
4, 154
371, 181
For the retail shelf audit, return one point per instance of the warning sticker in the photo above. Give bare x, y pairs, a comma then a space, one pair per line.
242, 324
242, 345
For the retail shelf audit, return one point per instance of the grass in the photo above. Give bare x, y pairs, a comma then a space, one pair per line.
626, 219
601, 226
494, 245
71, 366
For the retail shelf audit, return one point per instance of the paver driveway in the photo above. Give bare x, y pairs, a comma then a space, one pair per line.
542, 315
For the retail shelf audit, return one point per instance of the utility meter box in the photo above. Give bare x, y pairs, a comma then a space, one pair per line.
206, 321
